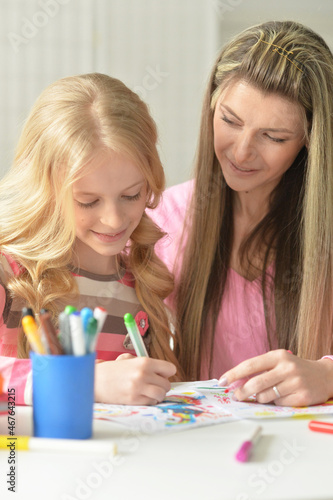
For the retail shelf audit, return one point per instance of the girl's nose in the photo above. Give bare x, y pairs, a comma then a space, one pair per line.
112, 217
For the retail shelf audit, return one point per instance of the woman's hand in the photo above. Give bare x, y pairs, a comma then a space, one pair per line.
298, 382
132, 381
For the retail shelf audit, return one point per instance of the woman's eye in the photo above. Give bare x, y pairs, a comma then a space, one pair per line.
225, 119
275, 139
133, 198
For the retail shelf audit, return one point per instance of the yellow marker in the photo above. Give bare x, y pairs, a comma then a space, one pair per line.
61, 445
31, 330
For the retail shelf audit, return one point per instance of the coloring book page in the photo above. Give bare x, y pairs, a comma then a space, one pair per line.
195, 404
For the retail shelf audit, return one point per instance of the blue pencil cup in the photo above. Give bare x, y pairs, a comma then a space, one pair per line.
63, 395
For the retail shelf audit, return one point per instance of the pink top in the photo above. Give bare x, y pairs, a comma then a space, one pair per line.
240, 331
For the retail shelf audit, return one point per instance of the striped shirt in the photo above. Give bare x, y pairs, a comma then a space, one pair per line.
116, 295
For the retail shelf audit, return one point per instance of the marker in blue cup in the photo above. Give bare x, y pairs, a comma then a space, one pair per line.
86, 313
135, 336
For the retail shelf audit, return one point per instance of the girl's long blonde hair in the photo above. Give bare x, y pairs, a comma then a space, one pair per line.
292, 61
71, 123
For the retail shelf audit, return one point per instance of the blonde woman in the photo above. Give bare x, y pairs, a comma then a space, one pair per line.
254, 295
73, 230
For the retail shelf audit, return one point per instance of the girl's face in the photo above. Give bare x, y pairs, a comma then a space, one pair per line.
257, 137
109, 203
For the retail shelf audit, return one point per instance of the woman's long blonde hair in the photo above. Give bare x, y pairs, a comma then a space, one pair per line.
72, 122
292, 61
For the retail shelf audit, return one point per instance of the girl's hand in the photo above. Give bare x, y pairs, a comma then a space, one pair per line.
126, 355
299, 382
132, 381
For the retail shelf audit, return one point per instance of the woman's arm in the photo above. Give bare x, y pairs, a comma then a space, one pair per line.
299, 382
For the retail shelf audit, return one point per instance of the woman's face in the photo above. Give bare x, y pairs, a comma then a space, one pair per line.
257, 137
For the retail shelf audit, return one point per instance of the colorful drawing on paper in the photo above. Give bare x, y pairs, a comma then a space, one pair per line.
196, 404
183, 407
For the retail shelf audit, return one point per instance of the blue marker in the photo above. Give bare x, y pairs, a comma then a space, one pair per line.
136, 338
86, 313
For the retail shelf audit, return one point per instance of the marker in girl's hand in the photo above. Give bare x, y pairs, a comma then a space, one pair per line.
135, 336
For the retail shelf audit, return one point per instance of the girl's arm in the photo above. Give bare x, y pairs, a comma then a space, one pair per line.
135, 381
300, 382
15, 372
17, 379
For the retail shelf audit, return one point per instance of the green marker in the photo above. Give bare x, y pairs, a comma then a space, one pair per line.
133, 331
70, 309
90, 333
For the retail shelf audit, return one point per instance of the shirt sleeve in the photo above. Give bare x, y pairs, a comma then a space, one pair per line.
16, 373
170, 215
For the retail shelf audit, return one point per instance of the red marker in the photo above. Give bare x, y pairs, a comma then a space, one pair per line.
100, 314
318, 426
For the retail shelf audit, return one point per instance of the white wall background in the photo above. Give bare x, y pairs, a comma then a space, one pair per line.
163, 49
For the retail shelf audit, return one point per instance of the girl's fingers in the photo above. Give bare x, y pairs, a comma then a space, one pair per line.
151, 382
135, 381
162, 368
144, 401
124, 356
156, 388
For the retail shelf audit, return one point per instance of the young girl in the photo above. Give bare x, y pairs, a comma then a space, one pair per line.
256, 277
73, 230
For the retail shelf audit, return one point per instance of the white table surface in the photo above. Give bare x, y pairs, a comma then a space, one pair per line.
290, 462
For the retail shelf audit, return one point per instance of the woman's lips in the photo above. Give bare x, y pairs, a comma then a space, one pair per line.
241, 171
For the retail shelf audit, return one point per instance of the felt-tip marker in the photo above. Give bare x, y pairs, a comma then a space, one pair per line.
90, 333
31, 330
318, 426
100, 314
77, 335
65, 333
243, 454
133, 331
50, 332
86, 313
28, 443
